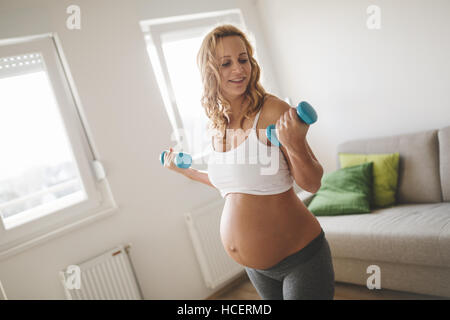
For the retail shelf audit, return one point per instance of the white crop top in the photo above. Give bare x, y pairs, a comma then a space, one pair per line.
252, 167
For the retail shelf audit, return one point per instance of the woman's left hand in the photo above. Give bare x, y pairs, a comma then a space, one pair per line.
291, 131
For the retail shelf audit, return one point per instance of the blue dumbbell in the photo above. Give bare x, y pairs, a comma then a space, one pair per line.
182, 160
305, 112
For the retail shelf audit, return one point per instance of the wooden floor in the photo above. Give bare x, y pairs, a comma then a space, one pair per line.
242, 289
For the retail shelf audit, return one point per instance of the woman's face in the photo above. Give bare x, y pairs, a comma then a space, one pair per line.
234, 66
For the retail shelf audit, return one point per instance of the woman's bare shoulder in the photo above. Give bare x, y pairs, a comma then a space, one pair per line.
273, 108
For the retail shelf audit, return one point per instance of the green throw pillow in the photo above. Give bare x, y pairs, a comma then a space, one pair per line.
385, 174
345, 191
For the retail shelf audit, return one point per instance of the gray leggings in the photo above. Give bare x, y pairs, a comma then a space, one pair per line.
307, 274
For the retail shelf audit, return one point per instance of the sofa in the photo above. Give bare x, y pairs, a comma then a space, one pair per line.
409, 241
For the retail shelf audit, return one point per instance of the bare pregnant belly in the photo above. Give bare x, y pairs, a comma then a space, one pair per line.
260, 231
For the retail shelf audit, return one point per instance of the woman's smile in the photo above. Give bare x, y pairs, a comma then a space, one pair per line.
238, 81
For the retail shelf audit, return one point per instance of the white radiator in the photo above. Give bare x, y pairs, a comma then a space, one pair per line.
204, 228
109, 276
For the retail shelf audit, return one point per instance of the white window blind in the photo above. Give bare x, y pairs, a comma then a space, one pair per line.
20, 64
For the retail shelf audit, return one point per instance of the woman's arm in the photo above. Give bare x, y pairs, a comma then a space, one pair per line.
303, 165
305, 168
191, 173
198, 175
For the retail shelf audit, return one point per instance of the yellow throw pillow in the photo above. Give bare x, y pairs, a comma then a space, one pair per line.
385, 174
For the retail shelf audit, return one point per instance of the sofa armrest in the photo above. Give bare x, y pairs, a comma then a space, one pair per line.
306, 196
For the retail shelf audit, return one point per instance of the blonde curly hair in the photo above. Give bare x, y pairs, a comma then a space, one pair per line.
217, 108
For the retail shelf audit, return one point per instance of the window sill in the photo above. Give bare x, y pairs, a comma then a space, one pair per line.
13, 249
36, 213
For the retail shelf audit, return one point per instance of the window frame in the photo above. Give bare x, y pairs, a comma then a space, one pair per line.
99, 202
187, 25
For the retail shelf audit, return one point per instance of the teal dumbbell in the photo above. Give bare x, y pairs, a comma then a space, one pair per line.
182, 160
305, 112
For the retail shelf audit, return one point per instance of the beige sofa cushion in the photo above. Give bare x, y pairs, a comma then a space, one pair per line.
418, 179
409, 234
444, 161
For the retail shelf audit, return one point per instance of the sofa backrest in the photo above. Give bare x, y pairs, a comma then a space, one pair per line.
418, 178
444, 161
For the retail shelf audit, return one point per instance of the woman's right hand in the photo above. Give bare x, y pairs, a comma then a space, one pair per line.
169, 162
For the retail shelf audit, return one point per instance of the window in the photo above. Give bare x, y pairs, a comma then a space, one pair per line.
49, 178
178, 75
38, 173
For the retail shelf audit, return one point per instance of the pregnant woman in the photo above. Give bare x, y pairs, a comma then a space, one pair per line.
264, 225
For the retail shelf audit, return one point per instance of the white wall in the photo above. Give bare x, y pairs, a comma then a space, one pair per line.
130, 127
363, 83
